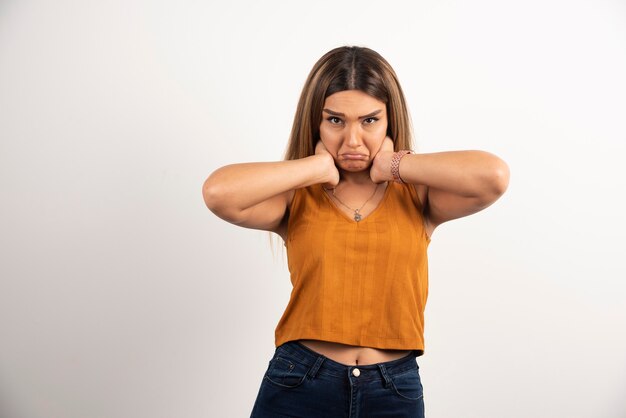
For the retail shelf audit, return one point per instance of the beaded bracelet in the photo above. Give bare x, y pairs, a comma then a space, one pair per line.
395, 164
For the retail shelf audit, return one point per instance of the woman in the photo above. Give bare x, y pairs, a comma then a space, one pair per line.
356, 209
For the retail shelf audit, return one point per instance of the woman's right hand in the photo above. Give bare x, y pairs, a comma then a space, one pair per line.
332, 174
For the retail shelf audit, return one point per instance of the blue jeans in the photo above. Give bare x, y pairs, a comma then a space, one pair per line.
303, 383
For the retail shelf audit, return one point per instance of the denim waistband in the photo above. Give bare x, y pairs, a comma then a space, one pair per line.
329, 366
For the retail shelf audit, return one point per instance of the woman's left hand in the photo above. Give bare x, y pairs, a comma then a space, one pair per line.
381, 166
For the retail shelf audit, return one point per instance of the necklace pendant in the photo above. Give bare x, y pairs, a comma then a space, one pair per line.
357, 216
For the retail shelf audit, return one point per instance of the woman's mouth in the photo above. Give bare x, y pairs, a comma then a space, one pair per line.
354, 156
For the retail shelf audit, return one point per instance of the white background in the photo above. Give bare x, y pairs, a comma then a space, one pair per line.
121, 295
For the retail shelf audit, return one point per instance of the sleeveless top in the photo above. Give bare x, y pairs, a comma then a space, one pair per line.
360, 283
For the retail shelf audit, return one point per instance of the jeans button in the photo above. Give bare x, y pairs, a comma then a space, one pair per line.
356, 372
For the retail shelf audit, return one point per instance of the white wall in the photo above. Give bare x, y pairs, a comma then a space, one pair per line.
121, 295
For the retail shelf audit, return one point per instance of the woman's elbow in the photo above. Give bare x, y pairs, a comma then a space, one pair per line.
499, 178
210, 194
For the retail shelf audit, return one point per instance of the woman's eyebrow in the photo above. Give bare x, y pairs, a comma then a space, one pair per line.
369, 115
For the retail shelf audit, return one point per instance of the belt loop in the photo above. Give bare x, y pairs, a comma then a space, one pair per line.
383, 370
316, 366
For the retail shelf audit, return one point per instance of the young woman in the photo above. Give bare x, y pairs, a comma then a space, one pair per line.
356, 209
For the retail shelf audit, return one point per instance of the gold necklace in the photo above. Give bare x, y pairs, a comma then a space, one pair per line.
357, 215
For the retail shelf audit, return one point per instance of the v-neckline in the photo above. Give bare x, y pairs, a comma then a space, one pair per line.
348, 218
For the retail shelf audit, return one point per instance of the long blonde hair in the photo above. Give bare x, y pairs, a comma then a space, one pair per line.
348, 68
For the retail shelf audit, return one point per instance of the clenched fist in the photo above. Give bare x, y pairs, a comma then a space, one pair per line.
331, 179
381, 166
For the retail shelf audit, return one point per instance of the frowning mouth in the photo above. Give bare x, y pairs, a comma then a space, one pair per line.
354, 156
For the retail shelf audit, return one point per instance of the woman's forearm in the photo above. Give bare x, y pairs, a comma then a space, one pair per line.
466, 173
237, 187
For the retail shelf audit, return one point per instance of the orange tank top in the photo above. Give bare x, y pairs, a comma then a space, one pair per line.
360, 283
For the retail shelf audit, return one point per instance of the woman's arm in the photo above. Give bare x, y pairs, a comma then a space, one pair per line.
456, 183
254, 195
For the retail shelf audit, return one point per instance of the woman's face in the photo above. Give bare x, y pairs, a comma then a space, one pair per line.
353, 127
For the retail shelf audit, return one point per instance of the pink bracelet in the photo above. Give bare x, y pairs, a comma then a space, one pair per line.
395, 164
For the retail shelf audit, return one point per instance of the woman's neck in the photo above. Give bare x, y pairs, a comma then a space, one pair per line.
355, 179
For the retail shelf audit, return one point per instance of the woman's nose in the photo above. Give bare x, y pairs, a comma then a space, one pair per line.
353, 137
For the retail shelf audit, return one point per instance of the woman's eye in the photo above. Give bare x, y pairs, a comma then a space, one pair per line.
334, 120
369, 121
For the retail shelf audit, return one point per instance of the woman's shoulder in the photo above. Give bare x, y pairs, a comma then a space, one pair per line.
418, 193
303, 195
